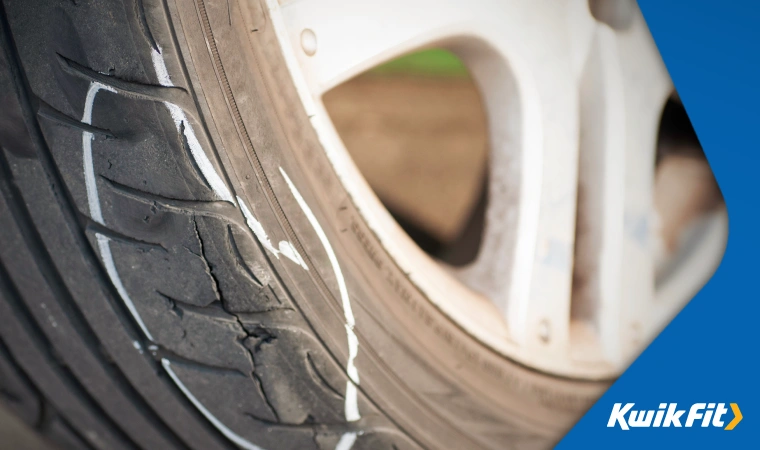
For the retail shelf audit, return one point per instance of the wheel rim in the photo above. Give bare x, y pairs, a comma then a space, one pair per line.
573, 107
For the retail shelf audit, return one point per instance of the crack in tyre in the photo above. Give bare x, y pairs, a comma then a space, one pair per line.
93, 200
202, 163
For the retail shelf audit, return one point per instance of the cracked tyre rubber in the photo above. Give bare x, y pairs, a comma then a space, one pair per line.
180, 267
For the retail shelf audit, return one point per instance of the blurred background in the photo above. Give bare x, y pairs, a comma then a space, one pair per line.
417, 130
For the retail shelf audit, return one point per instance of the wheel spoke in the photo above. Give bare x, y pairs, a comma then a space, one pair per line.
597, 286
334, 40
616, 102
615, 241
573, 107
647, 86
525, 262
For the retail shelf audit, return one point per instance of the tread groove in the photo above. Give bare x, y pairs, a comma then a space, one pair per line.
144, 27
46, 266
189, 156
63, 296
240, 262
70, 211
315, 373
35, 335
6, 355
50, 113
94, 227
133, 89
216, 208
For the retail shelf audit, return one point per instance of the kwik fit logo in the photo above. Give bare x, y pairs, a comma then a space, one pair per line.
669, 415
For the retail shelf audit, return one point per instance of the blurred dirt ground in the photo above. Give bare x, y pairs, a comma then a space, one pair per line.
419, 140
418, 133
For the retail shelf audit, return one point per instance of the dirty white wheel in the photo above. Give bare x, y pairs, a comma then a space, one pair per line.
566, 279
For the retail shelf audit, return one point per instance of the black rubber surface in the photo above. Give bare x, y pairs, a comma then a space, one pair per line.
74, 362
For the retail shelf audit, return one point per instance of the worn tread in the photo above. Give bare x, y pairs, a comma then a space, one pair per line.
212, 333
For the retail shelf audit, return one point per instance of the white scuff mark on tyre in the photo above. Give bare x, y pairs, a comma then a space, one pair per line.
183, 125
285, 247
93, 202
257, 228
113, 274
229, 434
346, 441
351, 405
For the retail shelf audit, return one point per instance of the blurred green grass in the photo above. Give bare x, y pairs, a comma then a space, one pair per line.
434, 62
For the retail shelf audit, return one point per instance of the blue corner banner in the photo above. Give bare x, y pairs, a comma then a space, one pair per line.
707, 358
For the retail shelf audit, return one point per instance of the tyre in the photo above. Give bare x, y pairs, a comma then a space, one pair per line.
184, 262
